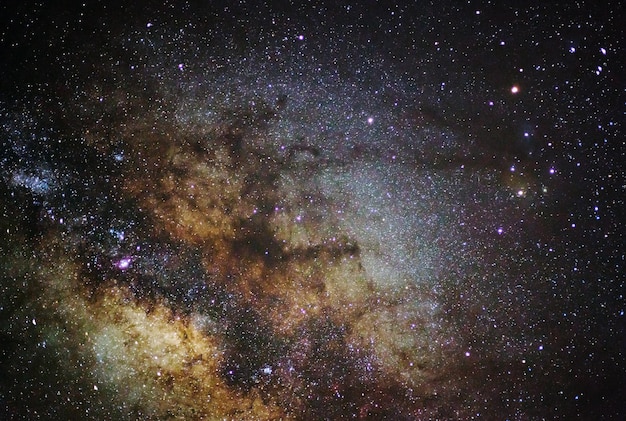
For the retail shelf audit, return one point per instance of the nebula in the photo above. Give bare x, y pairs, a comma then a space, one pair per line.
203, 226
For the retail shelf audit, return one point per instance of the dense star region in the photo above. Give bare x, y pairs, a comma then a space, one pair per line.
326, 210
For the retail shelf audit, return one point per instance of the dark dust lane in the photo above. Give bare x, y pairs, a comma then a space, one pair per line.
321, 211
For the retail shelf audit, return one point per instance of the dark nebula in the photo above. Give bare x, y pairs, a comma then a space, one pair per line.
326, 210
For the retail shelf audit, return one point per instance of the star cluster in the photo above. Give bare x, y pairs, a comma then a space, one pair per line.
317, 211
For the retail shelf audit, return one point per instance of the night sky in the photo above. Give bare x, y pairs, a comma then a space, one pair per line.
312, 211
